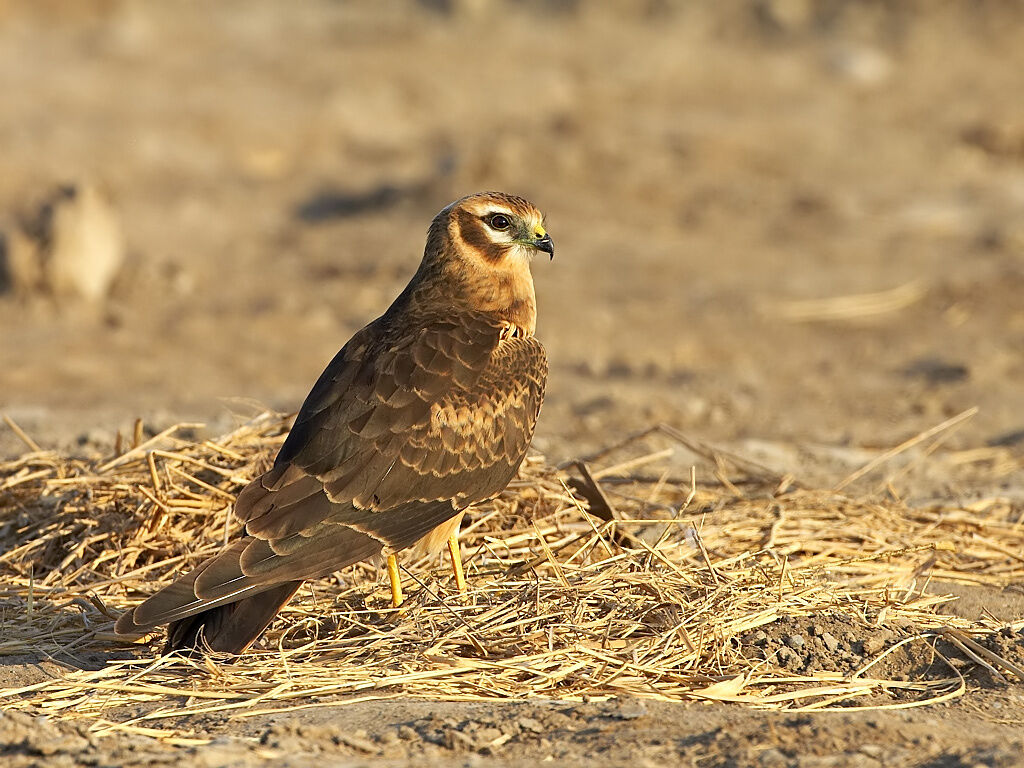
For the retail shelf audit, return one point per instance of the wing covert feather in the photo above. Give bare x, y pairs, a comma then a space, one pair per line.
445, 413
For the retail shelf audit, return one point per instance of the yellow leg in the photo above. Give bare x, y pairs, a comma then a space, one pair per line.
453, 550
396, 582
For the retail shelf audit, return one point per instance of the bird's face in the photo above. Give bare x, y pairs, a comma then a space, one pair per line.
481, 247
501, 231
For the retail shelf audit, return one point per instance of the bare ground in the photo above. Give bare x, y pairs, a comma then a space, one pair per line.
706, 170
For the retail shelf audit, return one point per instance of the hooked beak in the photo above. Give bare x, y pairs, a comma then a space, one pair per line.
545, 244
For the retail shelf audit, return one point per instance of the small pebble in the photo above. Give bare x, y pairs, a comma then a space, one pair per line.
772, 757
530, 724
630, 709
829, 641
795, 641
873, 645
488, 735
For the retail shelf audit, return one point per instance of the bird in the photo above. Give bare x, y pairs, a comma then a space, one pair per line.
425, 411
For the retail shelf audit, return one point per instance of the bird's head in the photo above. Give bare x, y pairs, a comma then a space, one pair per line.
482, 246
494, 228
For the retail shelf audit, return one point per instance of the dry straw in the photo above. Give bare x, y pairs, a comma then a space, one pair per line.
603, 579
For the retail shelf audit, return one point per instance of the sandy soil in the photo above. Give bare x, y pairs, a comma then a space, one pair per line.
707, 171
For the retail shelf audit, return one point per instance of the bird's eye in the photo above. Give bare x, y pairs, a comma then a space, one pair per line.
499, 222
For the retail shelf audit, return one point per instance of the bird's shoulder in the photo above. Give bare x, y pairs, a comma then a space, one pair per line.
401, 362
441, 411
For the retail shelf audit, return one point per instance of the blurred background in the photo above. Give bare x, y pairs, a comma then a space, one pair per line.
788, 220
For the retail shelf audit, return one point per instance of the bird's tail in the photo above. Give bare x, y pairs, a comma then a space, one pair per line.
228, 600
233, 627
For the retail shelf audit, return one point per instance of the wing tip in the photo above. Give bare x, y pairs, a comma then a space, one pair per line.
125, 624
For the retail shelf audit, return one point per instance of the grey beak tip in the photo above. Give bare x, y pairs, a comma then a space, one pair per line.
547, 245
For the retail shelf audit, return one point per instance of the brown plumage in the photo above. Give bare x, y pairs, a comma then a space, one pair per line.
425, 411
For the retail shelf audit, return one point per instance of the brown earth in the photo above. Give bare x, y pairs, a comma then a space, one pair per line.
705, 169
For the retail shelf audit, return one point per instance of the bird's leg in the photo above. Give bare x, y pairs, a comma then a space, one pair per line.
456, 555
396, 582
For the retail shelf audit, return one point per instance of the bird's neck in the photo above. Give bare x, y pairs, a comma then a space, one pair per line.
507, 295
510, 298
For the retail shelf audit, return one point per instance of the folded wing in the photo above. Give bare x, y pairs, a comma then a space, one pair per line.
400, 433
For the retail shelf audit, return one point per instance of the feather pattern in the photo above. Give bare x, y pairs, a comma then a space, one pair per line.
424, 412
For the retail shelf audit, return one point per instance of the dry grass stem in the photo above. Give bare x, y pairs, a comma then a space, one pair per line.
853, 307
657, 596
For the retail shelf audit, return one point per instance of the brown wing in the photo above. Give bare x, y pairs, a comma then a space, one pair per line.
399, 433
445, 414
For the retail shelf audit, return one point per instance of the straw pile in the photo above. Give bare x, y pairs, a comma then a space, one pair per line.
584, 582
